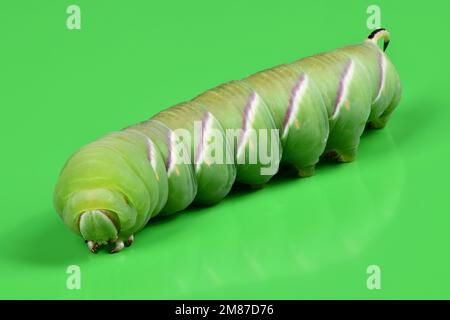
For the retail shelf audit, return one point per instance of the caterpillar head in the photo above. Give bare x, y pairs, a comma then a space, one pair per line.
101, 217
99, 227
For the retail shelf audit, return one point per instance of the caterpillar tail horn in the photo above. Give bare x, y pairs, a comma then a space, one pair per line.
378, 34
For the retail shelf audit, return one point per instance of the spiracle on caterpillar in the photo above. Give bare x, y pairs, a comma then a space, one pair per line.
293, 113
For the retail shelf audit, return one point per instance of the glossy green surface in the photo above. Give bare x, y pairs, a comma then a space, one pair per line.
296, 238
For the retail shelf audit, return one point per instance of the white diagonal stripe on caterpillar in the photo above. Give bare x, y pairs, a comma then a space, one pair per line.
170, 156
297, 93
344, 83
151, 153
248, 118
151, 156
177, 150
201, 148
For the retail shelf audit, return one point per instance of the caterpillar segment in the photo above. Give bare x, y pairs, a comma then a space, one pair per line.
299, 111
202, 133
241, 109
195, 151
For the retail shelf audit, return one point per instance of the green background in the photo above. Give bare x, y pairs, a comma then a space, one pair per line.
296, 238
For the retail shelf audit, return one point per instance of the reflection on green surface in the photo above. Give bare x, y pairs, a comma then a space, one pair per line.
296, 238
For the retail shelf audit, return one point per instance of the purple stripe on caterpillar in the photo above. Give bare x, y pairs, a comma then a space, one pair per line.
344, 81
249, 113
297, 93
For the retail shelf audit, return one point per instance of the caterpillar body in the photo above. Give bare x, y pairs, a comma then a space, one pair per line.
109, 189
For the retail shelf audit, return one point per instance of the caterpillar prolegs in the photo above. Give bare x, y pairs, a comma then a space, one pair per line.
238, 131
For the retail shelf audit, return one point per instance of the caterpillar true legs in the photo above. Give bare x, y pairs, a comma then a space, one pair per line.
110, 189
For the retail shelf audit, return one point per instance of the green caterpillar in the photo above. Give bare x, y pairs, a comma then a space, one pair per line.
109, 189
